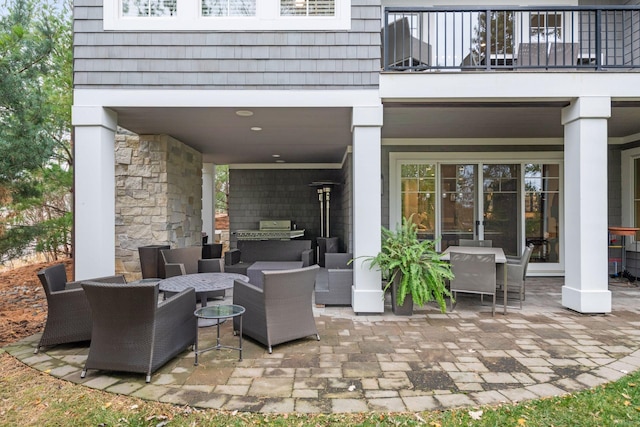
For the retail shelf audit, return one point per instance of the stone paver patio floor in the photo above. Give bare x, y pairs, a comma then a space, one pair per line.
388, 363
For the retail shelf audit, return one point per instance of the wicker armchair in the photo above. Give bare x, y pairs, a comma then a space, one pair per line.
68, 316
282, 310
333, 284
189, 260
474, 274
155, 333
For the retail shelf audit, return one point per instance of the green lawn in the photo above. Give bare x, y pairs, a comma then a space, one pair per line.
31, 398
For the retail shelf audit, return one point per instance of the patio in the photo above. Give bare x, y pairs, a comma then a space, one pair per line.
388, 363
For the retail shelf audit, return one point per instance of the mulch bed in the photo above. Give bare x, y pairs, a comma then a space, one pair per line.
23, 304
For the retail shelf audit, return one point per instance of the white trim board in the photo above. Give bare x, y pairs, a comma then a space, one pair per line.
225, 98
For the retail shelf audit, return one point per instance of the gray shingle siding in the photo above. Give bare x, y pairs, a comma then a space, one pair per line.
227, 60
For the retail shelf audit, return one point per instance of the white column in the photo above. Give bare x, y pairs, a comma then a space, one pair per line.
208, 200
586, 288
367, 295
94, 191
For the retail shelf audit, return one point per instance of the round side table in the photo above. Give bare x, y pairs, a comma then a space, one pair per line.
220, 313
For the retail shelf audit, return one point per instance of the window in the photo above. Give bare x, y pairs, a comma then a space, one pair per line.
307, 7
546, 26
140, 8
228, 7
227, 15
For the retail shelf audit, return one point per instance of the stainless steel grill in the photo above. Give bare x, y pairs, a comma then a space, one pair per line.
280, 229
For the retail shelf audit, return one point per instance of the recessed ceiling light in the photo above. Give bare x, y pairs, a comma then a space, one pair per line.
275, 155
256, 128
244, 113
279, 161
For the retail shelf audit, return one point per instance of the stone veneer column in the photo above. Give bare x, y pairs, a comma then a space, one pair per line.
158, 196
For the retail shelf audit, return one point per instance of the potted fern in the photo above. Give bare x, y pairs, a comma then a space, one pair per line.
413, 269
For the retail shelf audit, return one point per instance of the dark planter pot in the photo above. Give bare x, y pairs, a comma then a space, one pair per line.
405, 309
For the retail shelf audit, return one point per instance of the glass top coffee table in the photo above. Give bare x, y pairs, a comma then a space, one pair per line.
219, 313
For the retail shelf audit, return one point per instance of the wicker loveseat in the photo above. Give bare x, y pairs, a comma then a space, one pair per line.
249, 251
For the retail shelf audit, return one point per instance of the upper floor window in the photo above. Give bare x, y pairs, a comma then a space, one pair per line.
139, 8
546, 26
228, 7
227, 15
307, 7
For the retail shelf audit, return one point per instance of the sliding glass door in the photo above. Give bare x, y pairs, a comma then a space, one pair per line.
513, 204
501, 204
459, 203
542, 211
418, 197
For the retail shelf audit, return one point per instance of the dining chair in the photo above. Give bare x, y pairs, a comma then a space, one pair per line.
516, 274
404, 50
473, 274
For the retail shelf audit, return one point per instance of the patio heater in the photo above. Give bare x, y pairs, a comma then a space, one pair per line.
326, 243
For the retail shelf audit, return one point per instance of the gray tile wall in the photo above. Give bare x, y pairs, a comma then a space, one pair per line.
284, 194
227, 60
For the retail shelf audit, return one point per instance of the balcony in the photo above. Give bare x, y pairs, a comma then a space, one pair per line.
590, 38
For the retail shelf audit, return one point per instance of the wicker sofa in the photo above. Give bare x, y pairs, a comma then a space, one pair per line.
249, 251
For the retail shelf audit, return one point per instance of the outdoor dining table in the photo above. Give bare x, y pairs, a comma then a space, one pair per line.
500, 259
202, 283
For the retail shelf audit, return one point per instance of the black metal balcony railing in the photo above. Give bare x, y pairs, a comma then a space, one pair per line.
570, 38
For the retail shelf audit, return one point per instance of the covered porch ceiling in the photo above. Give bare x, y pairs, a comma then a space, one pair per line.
322, 135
